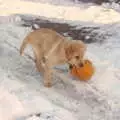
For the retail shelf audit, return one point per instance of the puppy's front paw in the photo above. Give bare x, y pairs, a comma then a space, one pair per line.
48, 85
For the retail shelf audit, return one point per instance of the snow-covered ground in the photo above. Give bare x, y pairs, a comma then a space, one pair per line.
96, 14
23, 96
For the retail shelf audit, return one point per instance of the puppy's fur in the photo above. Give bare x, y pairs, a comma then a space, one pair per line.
63, 51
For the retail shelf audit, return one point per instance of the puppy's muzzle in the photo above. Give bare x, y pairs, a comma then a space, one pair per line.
81, 65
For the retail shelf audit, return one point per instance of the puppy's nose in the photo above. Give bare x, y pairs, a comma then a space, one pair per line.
70, 66
81, 65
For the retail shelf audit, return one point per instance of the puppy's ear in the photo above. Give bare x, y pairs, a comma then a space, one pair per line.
69, 52
81, 47
82, 51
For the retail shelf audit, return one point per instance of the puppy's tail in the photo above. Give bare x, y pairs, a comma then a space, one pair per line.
24, 44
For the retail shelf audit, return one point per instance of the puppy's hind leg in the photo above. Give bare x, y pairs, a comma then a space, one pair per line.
47, 76
38, 63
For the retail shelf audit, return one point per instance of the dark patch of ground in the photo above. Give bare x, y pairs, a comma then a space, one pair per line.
88, 34
98, 2
64, 29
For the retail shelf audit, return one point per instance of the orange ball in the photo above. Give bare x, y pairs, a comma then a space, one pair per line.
85, 72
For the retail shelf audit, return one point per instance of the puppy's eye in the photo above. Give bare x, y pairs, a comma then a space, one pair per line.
77, 57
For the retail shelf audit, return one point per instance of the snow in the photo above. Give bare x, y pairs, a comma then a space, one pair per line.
96, 14
113, 5
23, 96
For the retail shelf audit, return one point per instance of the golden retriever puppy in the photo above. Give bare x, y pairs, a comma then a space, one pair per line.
51, 49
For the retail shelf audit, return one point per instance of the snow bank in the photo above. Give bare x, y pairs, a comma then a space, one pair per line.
95, 14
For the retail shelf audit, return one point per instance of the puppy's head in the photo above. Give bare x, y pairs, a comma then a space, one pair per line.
75, 53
